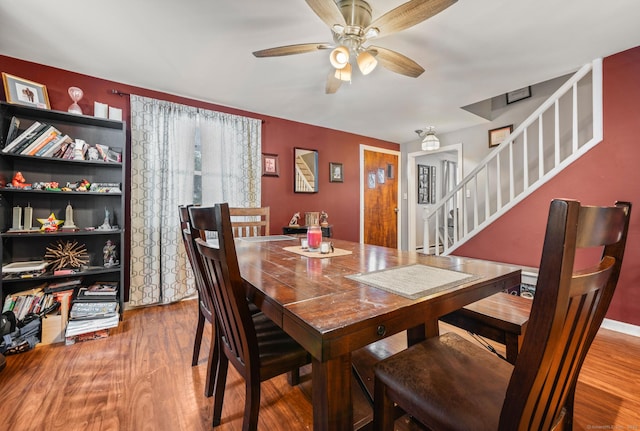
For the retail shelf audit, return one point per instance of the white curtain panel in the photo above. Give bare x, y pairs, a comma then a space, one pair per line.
163, 142
231, 159
162, 169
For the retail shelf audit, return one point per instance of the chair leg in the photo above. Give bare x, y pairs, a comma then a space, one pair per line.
383, 408
293, 377
198, 340
220, 383
212, 363
252, 405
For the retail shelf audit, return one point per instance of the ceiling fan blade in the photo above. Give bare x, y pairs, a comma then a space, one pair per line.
408, 14
396, 62
333, 83
292, 49
328, 11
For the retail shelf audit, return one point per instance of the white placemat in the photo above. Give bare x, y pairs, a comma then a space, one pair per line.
414, 281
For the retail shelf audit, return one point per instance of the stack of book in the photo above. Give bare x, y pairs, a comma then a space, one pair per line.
94, 311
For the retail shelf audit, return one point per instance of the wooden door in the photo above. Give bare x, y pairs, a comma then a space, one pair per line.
380, 221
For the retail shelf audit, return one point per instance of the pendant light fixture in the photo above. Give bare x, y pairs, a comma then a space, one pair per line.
430, 141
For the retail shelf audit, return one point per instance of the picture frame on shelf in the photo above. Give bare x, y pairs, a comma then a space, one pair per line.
517, 95
21, 91
336, 174
496, 136
270, 165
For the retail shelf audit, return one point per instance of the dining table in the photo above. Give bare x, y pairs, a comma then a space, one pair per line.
355, 294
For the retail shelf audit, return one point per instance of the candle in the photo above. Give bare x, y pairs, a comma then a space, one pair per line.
314, 237
304, 244
17, 218
28, 218
325, 247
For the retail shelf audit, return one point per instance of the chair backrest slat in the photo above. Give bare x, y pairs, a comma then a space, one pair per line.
567, 311
223, 279
250, 221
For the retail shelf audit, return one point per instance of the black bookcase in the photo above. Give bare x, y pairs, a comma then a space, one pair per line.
89, 207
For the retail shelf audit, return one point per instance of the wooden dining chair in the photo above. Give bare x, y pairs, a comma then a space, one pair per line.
250, 221
255, 345
447, 382
205, 302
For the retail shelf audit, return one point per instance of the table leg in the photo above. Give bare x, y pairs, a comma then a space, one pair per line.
331, 394
421, 332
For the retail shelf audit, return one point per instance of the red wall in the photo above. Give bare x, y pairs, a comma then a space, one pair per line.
340, 200
607, 173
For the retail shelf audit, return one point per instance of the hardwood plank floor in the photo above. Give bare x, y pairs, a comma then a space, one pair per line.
140, 378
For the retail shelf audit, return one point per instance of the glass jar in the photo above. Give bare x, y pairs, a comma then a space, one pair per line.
314, 237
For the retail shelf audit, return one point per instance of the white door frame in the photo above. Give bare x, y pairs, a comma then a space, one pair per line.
363, 181
412, 200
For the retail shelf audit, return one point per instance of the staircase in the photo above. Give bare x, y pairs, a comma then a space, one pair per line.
554, 136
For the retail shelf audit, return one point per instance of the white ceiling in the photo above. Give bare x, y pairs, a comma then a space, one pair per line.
474, 50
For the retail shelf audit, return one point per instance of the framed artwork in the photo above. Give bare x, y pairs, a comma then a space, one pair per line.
305, 171
426, 184
270, 165
335, 173
23, 92
496, 136
514, 96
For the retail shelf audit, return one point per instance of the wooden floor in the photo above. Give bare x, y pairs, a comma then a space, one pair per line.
140, 378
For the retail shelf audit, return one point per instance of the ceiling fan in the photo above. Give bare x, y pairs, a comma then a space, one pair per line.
352, 27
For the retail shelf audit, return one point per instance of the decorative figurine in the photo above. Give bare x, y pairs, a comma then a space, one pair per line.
19, 182
68, 223
324, 219
50, 224
105, 225
110, 255
294, 220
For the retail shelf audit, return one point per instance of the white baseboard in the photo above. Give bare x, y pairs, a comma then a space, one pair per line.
625, 328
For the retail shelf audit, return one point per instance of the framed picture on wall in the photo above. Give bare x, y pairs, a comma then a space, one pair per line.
336, 174
270, 166
426, 184
24, 92
496, 136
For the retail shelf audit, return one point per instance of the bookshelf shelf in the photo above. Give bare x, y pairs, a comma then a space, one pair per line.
90, 208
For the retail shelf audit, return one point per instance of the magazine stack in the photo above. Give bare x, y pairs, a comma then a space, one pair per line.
94, 311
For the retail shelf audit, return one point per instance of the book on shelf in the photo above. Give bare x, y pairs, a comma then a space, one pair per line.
30, 139
47, 136
14, 127
22, 137
63, 285
85, 296
53, 146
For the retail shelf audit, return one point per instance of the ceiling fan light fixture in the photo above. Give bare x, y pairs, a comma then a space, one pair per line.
430, 141
344, 74
371, 33
366, 62
339, 57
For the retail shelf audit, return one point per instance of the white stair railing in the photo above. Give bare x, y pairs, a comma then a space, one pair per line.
554, 136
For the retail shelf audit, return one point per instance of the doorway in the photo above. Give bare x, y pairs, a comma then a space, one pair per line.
379, 196
416, 211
